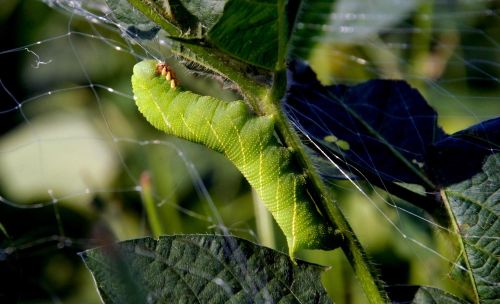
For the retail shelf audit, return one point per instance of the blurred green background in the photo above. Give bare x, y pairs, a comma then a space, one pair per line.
74, 156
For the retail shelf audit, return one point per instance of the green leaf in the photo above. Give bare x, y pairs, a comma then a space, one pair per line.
249, 31
474, 207
201, 269
429, 295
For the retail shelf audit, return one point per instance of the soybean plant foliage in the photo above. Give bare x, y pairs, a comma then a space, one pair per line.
283, 137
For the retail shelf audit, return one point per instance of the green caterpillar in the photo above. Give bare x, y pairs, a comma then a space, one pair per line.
247, 140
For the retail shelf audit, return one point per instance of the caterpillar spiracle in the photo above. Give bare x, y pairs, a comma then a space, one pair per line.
245, 139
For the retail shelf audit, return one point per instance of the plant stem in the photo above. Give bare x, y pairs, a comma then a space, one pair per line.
369, 281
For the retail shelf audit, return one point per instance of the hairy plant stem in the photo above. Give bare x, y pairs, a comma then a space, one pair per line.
351, 246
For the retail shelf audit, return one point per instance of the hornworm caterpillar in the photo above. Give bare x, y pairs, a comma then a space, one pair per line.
247, 140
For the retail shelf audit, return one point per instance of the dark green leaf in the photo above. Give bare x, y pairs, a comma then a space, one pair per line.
475, 205
249, 30
201, 269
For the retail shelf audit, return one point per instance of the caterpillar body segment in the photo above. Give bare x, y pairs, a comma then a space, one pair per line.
246, 140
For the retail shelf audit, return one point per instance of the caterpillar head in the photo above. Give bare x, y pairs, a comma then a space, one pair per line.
166, 71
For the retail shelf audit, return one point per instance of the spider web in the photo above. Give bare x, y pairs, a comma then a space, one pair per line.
75, 156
